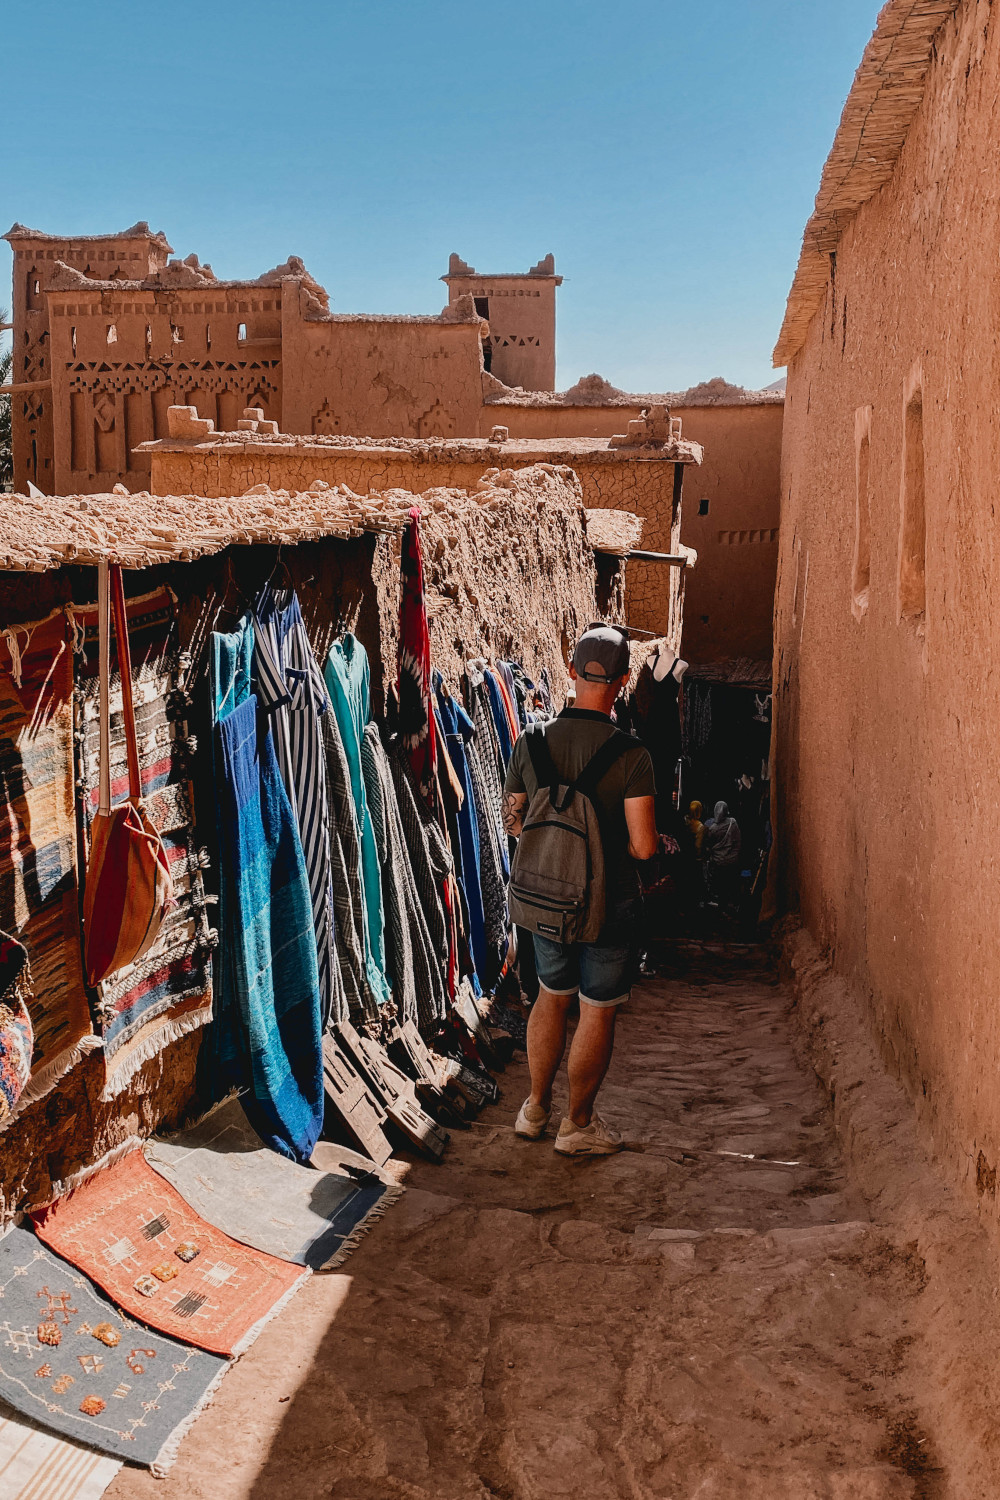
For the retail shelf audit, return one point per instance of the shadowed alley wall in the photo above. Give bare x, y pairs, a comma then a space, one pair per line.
887, 755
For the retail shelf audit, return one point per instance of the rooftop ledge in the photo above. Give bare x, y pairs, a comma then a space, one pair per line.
436, 450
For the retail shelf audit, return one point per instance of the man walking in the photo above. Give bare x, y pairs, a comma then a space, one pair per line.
601, 971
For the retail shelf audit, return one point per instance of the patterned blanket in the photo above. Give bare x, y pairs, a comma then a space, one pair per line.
133, 1234
38, 887
37, 1464
223, 1169
72, 1362
168, 991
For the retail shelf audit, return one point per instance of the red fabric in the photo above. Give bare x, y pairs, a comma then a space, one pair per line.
417, 729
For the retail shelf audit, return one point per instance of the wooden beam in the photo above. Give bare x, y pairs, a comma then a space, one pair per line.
27, 385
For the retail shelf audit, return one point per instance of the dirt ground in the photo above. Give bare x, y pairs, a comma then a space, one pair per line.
712, 1314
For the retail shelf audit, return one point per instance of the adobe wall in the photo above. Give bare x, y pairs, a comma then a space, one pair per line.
508, 571
736, 542
609, 478
391, 376
729, 603
887, 754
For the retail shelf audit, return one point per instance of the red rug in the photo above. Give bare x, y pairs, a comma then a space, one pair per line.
133, 1234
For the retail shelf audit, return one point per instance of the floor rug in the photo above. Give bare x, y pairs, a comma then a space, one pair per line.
72, 1362
167, 992
133, 1234
38, 887
224, 1170
37, 1465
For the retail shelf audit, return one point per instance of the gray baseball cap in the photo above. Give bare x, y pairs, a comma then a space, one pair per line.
602, 653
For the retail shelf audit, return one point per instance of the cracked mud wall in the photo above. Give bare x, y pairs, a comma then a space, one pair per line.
643, 486
887, 756
508, 571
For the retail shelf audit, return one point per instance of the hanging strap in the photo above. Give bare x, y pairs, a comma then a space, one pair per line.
125, 672
596, 768
104, 680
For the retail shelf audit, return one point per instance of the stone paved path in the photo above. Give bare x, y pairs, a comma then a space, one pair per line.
709, 1315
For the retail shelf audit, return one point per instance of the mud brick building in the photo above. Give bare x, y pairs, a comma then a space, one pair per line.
887, 757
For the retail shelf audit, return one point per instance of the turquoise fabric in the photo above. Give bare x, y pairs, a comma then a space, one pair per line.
348, 678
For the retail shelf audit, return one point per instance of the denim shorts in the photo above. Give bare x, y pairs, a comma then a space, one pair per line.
603, 972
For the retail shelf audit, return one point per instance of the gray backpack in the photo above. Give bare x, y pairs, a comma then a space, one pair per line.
557, 876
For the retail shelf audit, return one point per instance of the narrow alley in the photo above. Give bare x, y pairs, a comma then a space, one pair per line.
711, 1314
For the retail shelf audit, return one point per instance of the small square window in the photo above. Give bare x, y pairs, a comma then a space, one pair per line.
703, 507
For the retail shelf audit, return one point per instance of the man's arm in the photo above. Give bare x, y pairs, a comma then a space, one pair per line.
640, 815
512, 812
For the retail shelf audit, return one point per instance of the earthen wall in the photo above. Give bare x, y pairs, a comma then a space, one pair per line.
607, 479
887, 755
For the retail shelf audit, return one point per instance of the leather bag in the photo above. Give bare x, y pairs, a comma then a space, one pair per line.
128, 889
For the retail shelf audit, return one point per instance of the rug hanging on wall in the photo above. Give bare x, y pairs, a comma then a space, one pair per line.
38, 884
167, 992
36, 1464
72, 1362
17, 1039
133, 1234
222, 1168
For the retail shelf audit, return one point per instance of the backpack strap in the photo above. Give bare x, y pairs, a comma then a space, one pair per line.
597, 767
600, 764
540, 755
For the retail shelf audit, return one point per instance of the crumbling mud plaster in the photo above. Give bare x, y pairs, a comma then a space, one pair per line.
509, 571
887, 756
633, 479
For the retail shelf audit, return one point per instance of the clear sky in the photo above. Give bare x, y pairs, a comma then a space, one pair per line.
668, 154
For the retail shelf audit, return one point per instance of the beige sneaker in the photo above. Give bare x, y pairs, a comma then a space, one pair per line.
531, 1121
595, 1139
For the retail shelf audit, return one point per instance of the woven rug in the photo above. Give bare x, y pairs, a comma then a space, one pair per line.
38, 888
224, 1170
167, 992
37, 1465
71, 1361
133, 1234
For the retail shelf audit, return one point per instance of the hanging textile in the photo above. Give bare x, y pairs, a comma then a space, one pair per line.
458, 733
515, 695
267, 1035
431, 862
360, 1001
16, 1036
348, 679
488, 748
416, 720
290, 688
500, 716
38, 881
492, 875
417, 969
168, 991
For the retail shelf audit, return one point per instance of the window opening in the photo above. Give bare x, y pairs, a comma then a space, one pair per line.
149, 339
703, 507
241, 333
112, 334
176, 333
208, 335
72, 339
482, 306
912, 528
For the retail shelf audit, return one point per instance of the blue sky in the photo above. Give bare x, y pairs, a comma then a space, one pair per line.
668, 154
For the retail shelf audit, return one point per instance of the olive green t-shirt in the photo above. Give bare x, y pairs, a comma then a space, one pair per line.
573, 739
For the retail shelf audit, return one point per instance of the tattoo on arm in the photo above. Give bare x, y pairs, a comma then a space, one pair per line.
512, 813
